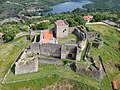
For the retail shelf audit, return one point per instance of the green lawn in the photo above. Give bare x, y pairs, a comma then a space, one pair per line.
110, 52
71, 39
49, 70
9, 52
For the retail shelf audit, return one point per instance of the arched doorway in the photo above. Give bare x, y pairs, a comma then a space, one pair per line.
70, 56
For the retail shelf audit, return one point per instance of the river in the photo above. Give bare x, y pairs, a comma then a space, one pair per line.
67, 6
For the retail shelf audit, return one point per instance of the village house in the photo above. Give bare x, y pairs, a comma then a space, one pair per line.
88, 18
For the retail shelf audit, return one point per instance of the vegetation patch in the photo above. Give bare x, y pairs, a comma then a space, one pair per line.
71, 39
49, 70
9, 52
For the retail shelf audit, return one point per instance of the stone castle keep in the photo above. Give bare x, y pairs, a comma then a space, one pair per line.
61, 29
46, 44
71, 51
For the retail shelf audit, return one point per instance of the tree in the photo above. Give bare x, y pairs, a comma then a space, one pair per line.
25, 28
9, 31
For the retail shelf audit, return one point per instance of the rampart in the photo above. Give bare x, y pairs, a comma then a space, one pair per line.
35, 47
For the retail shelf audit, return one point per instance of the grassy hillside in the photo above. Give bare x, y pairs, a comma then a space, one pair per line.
51, 77
9, 52
13, 7
104, 4
110, 53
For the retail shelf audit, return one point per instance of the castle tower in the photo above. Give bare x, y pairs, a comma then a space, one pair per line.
61, 28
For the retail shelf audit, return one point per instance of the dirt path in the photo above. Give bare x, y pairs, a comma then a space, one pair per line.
96, 23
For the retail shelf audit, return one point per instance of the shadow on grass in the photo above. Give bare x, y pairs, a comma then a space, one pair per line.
13, 69
117, 66
73, 67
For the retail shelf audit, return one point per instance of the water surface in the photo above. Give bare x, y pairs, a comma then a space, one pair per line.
67, 6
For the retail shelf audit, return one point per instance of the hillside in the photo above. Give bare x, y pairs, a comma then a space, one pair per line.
10, 8
104, 4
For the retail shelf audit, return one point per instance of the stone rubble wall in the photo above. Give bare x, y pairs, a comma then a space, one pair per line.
96, 74
35, 48
81, 34
50, 61
56, 50
50, 50
26, 67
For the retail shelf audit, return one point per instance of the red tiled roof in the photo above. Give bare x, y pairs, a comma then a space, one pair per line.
48, 36
60, 23
32, 25
114, 85
87, 17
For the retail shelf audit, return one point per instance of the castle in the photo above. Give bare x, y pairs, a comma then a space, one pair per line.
46, 44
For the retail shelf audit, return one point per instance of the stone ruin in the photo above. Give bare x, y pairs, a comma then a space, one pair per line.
43, 50
70, 51
91, 67
94, 70
54, 53
26, 65
94, 38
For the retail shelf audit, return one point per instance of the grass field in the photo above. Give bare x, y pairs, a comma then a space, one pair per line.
110, 52
71, 39
9, 52
49, 70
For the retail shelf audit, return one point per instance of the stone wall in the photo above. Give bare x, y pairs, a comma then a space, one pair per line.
50, 50
26, 66
71, 52
71, 30
62, 51
58, 51
96, 74
35, 47
81, 34
78, 54
50, 60
93, 70
92, 36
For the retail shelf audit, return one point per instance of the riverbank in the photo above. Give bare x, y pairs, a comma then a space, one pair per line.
66, 6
